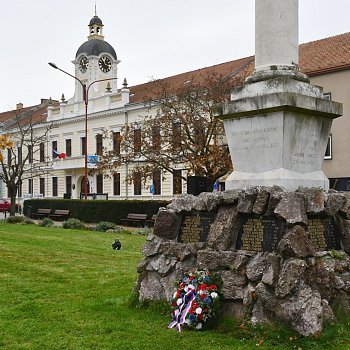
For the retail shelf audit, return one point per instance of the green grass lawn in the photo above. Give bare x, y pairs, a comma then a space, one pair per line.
67, 289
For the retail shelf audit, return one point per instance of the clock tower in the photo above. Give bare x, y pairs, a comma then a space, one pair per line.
95, 59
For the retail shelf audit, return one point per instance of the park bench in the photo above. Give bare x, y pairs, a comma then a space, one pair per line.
41, 213
152, 220
135, 218
60, 214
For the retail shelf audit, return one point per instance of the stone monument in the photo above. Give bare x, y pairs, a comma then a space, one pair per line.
277, 124
279, 241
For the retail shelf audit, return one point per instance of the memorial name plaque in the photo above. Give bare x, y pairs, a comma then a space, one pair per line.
260, 233
195, 226
263, 233
323, 233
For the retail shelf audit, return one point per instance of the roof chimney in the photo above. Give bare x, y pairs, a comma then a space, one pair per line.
19, 106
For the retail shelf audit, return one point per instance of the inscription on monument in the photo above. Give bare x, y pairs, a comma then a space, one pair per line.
263, 233
260, 233
195, 226
258, 139
324, 233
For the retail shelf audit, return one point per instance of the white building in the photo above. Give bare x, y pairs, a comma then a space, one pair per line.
110, 106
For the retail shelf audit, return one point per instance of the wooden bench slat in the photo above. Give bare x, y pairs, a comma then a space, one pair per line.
135, 217
60, 214
42, 212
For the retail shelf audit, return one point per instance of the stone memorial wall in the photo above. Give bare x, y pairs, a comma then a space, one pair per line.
275, 250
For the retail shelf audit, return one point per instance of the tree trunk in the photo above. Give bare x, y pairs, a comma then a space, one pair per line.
12, 194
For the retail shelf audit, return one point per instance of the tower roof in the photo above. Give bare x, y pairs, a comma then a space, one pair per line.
95, 20
95, 47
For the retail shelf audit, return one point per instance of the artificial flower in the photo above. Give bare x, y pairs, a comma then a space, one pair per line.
196, 300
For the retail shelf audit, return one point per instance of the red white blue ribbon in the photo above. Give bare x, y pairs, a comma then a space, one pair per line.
182, 312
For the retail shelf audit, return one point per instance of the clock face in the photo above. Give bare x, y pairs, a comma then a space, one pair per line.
105, 64
83, 64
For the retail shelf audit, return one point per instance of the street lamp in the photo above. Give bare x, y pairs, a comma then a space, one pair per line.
86, 101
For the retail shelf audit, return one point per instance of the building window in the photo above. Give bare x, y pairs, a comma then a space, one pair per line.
137, 184
327, 96
157, 181
116, 184
42, 152
137, 141
42, 186
116, 142
19, 155
328, 154
68, 184
30, 186
54, 148
68, 147
9, 156
55, 186
83, 145
99, 146
30, 154
177, 182
19, 189
176, 137
156, 138
99, 183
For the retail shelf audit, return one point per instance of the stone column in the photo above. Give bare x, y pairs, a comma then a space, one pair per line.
276, 38
277, 124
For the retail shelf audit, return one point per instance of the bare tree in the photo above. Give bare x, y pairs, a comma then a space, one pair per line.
181, 131
24, 146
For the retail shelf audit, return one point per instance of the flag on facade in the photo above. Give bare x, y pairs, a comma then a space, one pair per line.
60, 155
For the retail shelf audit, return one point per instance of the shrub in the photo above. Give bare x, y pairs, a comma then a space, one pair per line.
47, 222
73, 224
144, 231
104, 226
118, 229
15, 219
94, 211
28, 221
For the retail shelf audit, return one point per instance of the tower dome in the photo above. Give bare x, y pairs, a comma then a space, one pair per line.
95, 20
95, 47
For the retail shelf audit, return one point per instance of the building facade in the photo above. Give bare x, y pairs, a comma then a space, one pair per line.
110, 106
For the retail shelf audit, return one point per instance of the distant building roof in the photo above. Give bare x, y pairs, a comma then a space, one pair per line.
315, 58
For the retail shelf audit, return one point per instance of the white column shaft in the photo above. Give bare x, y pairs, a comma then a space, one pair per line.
276, 33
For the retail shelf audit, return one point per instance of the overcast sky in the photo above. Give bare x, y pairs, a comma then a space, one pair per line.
152, 38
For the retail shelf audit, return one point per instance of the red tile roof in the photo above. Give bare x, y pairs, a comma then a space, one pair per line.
315, 58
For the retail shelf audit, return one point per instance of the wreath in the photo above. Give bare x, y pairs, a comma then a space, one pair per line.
197, 299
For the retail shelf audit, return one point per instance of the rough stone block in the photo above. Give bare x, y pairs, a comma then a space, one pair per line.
335, 202
257, 266
292, 208
261, 203
186, 202
152, 246
233, 283
290, 276
246, 201
223, 232
210, 200
215, 260
167, 225
296, 243
233, 309
315, 200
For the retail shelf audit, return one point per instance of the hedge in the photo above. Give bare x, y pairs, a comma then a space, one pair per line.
94, 211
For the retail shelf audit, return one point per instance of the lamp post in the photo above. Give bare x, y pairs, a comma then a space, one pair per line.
86, 101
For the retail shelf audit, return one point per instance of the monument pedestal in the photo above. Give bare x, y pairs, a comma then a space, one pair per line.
277, 131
